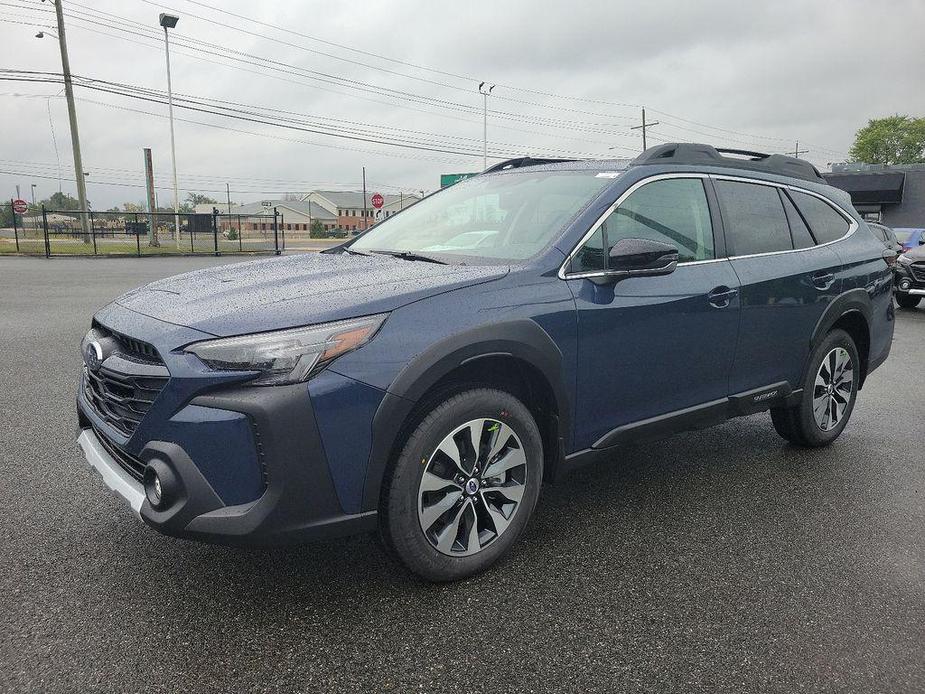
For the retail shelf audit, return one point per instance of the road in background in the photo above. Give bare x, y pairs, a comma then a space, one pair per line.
722, 560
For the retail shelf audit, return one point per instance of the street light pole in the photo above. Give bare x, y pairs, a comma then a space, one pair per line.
485, 94
33, 195
72, 118
169, 21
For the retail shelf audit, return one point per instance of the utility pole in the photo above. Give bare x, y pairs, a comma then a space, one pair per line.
228, 196
365, 218
33, 195
151, 202
72, 118
797, 151
485, 94
643, 127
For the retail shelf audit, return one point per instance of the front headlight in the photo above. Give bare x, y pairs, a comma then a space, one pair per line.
287, 356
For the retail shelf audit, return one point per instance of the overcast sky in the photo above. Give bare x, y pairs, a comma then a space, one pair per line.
571, 77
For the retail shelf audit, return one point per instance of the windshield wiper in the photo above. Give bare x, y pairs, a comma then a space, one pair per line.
353, 252
411, 255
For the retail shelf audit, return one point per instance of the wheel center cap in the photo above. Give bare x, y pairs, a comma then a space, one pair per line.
472, 486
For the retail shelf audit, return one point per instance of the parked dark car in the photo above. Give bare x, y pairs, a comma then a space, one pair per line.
885, 234
425, 378
910, 277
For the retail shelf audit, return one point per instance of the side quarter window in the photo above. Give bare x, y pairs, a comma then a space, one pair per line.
674, 211
825, 223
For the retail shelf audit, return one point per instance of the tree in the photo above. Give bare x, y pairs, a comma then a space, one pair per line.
193, 199
133, 207
316, 231
61, 201
891, 140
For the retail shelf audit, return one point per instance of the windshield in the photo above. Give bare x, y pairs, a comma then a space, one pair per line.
509, 216
901, 235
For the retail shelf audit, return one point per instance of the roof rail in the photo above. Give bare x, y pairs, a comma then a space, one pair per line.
521, 162
707, 155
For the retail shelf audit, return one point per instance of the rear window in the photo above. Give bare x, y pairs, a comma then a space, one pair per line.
825, 223
753, 217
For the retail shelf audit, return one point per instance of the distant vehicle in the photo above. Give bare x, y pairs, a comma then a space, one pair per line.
909, 238
909, 274
426, 377
885, 234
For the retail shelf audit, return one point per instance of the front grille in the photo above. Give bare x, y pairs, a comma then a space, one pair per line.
918, 271
129, 463
121, 399
130, 346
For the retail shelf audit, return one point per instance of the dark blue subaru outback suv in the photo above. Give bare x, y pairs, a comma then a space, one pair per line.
425, 378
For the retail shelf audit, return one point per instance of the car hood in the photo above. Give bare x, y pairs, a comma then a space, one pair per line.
916, 253
286, 292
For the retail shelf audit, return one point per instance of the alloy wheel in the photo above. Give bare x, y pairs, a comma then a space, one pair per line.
472, 487
833, 388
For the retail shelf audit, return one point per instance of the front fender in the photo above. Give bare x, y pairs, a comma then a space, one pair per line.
522, 339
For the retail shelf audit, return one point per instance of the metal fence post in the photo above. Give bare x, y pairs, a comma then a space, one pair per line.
45, 228
240, 243
215, 229
93, 232
15, 230
137, 235
192, 248
276, 230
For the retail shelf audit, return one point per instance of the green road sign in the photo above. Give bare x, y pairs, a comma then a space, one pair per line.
450, 179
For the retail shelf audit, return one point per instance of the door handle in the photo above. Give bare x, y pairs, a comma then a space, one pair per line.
823, 280
721, 296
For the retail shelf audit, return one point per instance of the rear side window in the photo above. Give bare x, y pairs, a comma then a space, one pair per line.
753, 217
826, 224
798, 229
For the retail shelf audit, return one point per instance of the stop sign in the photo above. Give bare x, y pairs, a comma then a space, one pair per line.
20, 206
378, 200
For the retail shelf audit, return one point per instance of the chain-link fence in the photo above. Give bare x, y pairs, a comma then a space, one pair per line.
70, 232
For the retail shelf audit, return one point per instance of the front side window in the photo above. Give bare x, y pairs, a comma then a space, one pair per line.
753, 217
673, 211
510, 216
826, 224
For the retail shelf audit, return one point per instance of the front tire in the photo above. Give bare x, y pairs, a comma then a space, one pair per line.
464, 486
907, 300
828, 397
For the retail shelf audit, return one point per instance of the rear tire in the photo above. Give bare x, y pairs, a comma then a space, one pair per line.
907, 300
449, 511
829, 393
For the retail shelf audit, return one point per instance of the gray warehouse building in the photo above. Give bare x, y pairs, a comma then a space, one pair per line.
891, 195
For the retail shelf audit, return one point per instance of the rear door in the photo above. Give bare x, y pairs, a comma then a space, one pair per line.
787, 281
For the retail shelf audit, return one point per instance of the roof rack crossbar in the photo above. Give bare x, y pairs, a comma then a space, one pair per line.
706, 155
520, 162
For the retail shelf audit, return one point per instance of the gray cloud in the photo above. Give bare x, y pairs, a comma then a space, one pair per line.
776, 72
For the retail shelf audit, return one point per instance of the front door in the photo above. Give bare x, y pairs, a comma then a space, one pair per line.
653, 346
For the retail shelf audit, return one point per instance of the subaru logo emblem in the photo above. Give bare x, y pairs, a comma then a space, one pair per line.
93, 355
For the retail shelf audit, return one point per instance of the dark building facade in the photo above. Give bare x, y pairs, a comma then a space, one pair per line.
891, 195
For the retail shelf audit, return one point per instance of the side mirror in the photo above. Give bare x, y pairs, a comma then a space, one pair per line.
641, 257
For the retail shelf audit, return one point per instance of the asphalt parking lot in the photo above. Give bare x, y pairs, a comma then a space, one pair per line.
722, 560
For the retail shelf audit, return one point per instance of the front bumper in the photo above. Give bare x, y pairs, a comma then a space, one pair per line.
299, 501
114, 476
909, 281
